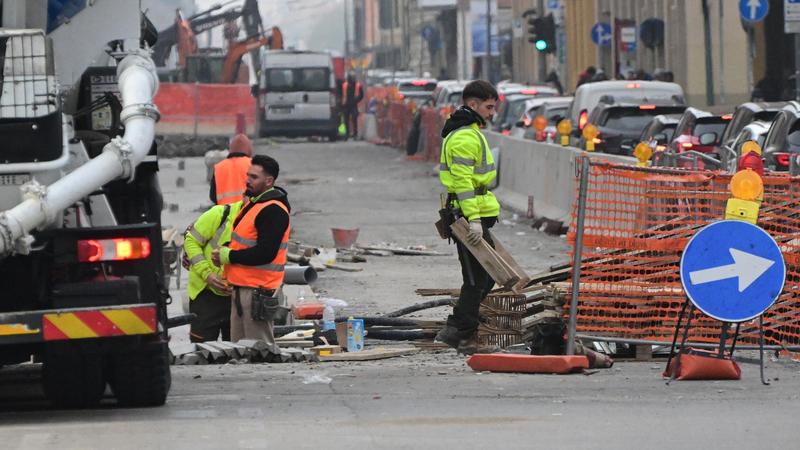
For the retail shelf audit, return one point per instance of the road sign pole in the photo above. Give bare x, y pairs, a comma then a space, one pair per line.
578, 256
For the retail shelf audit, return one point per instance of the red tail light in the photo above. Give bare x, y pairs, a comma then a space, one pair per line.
529, 92
647, 106
633, 85
582, 119
419, 82
782, 159
120, 249
727, 117
526, 121
597, 140
501, 98
687, 145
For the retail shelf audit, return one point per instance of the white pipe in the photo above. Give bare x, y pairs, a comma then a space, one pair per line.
138, 85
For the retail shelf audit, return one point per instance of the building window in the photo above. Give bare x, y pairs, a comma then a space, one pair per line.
388, 16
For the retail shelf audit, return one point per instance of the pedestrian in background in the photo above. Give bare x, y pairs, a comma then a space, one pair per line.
352, 94
586, 76
228, 181
209, 293
466, 170
255, 259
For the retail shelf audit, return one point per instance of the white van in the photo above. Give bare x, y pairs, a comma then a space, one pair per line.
297, 95
588, 95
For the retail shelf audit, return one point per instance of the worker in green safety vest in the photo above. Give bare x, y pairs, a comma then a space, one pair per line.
467, 170
210, 294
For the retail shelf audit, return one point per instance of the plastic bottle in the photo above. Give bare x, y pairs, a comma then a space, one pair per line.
328, 318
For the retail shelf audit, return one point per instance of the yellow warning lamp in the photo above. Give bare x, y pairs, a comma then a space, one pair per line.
747, 189
564, 129
589, 133
643, 152
540, 123
751, 146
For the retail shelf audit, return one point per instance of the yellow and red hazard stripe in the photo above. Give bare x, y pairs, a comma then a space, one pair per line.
99, 323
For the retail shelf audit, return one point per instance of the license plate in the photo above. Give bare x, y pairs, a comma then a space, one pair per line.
14, 179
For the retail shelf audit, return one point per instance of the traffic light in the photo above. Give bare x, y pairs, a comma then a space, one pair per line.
542, 33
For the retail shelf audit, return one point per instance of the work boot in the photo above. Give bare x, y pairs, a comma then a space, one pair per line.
448, 335
471, 346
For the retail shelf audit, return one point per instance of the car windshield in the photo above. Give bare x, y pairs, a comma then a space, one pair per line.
515, 110
668, 131
553, 113
632, 120
291, 80
793, 139
454, 98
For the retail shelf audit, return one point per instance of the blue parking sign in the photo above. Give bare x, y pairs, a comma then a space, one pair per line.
732, 270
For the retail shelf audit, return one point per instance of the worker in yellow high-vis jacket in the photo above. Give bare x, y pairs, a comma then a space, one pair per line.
466, 170
209, 293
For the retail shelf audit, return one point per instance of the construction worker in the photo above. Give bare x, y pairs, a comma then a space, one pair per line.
227, 183
254, 262
209, 293
466, 170
352, 94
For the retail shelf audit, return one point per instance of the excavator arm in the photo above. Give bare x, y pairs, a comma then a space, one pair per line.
233, 59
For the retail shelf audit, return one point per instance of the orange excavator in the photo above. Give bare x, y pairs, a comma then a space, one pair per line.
212, 65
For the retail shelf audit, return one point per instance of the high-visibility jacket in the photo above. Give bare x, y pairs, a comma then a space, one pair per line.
207, 234
466, 169
357, 93
230, 176
244, 236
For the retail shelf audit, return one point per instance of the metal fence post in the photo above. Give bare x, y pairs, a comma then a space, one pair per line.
577, 256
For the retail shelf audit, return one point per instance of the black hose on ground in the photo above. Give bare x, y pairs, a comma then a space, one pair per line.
420, 306
381, 321
400, 335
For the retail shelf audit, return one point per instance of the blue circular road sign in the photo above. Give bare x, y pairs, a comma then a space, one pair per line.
753, 10
601, 34
733, 271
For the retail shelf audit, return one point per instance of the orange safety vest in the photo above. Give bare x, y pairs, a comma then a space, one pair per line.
230, 176
356, 91
244, 236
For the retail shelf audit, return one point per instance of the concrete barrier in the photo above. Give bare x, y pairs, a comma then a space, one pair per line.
544, 172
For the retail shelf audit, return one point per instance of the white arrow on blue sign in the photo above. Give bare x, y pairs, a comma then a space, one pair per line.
753, 10
601, 34
733, 271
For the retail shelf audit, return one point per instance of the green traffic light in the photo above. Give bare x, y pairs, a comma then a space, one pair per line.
541, 45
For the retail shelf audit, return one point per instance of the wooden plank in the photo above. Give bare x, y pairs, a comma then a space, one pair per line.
506, 257
343, 268
485, 255
371, 354
401, 251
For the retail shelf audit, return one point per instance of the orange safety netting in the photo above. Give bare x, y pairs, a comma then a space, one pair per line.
637, 222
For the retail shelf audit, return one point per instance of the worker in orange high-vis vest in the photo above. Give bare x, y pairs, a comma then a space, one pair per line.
352, 94
228, 181
255, 258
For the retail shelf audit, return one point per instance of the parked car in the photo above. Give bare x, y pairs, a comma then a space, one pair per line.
745, 114
589, 95
754, 131
783, 139
700, 131
418, 89
511, 109
448, 93
552, 109
621, 124
660, 129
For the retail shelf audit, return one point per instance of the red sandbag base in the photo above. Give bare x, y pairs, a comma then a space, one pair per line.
504, 362
697, 364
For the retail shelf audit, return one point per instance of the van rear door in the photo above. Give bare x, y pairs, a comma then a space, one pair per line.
298, 93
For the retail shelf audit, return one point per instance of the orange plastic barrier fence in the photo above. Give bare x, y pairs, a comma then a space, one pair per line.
637, 222
207, 108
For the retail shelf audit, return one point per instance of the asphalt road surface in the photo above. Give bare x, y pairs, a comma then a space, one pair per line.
427, 400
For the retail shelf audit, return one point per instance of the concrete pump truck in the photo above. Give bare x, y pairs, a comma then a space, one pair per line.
82, 286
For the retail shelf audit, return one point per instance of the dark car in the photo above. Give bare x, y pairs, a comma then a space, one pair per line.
620, 124
747, 113
512, 107
700, 131
783, 139
660, 130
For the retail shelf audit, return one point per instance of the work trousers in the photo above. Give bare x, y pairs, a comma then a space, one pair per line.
243, 326
477, 284
213, 317
351, 121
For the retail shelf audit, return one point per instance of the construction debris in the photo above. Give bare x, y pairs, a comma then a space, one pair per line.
244, 351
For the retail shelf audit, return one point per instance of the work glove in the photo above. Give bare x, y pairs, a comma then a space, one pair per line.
475, 232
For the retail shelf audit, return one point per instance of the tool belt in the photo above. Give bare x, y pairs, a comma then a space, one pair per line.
264, 306
447, 216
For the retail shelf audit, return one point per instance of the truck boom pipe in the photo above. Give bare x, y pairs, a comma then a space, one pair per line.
138, 85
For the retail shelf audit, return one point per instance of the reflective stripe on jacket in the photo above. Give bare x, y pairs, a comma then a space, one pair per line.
230, 176
245, 235
205, 235
466, 169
